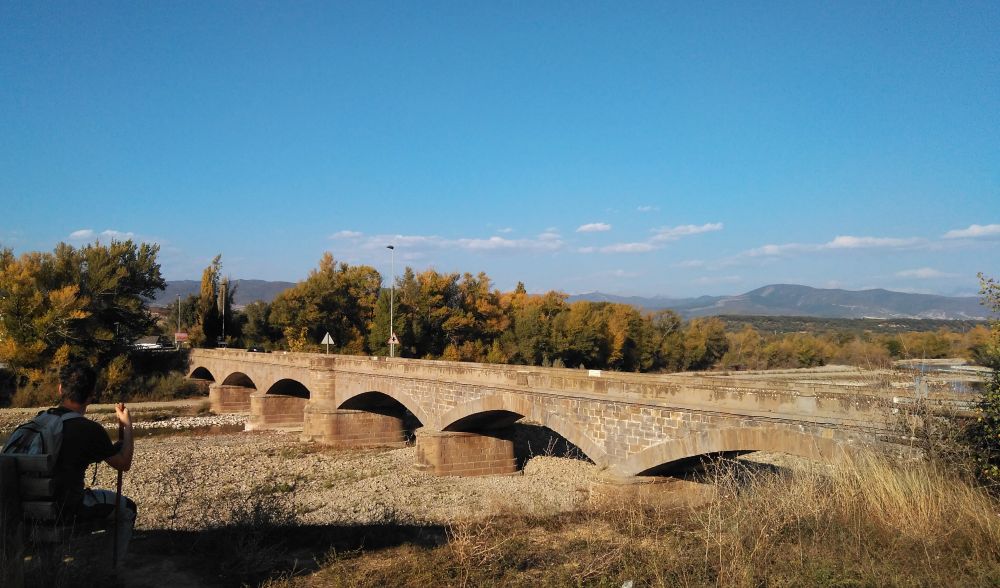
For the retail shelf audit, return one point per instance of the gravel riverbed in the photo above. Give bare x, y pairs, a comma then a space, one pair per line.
196, 481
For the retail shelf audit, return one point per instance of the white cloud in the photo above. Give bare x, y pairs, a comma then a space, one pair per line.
84, 234
593, 228
839, 242
499, 243
116, 235
345, 234
924, 273
973, 231
549, 235
648, 208
544, 242
674, 233
690, 263
773, 250
849, 242
505, 230
628, 248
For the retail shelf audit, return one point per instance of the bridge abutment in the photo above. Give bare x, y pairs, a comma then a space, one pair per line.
275, 411
225, 398
448, 453
351, 428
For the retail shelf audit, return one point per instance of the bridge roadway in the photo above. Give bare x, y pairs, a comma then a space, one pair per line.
629, 424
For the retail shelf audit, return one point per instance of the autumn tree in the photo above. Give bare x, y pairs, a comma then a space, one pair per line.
87, 302
663, 342
335, 298
207, 326
704, 343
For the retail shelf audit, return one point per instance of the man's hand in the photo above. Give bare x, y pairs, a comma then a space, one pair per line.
124, 418
122, 460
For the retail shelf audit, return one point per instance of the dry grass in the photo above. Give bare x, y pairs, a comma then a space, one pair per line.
870, 522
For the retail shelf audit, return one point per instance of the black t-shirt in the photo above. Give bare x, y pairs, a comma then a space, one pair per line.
84, 442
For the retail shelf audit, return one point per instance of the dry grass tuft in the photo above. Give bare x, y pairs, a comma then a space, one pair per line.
871, 522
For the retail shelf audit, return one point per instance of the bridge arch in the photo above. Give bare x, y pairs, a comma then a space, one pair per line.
735, 441
201, 373
502, 410
289, 387
372, 400
239, 379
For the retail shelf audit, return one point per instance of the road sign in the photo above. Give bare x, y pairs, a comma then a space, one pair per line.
328, 341
180, 336
393, 340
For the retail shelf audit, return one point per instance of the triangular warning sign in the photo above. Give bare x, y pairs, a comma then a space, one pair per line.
393, 340
328, 340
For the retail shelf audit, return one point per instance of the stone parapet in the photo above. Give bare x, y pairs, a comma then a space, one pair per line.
275, 411
446, 453
352, 428
229, 399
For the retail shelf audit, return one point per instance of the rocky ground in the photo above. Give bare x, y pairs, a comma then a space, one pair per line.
196, 477
192, 481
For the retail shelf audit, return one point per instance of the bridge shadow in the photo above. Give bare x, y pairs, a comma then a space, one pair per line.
739, 467
534, 440
228, 556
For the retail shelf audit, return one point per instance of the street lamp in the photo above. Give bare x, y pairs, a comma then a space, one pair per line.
392, 299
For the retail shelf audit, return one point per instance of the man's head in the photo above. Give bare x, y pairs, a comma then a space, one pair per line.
77, 382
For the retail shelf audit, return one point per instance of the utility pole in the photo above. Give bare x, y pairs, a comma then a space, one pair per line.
392, 300
176, 346
223, 287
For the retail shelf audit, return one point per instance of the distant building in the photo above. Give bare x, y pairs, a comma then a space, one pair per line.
150, 342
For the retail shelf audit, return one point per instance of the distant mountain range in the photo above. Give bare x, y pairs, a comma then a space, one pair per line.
793, 300
247, 291
774, 300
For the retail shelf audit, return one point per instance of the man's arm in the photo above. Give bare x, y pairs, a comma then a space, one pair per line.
122, 460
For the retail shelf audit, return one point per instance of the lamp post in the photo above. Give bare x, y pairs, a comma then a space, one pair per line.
392, 299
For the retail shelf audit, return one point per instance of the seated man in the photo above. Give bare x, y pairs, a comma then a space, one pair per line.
86, 442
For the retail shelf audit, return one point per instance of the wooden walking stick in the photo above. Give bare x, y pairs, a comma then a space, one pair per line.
118, 502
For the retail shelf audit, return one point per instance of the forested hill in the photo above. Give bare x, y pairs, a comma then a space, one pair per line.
774, 300
247, 291
794, 300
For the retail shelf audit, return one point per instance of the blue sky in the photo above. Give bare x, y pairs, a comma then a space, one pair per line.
634, 148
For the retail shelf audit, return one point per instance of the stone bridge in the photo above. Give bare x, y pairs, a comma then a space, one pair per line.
629, 424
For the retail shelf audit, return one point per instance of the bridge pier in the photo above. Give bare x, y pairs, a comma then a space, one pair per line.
275, 411
351, 428
448, 453
226, 399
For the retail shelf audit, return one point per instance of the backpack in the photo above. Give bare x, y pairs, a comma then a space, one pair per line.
36, 443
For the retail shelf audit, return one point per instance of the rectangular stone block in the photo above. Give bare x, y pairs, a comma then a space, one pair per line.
353, 428
445, 453
229, 399
274, 411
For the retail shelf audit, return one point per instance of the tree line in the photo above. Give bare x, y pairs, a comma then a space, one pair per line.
463, 317
91, 302
74, 303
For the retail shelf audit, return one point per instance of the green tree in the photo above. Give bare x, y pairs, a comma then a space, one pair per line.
335, 298
88, 302
378, 335
207, 326
704, 343
663, 342
984, 434
257, 328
